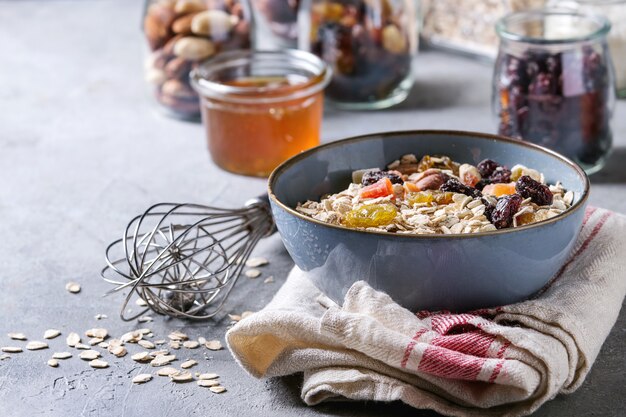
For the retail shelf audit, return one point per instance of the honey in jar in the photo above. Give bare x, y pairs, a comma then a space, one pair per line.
260, 108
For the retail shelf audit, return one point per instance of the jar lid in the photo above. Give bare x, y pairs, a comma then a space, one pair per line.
552, 26
305, 74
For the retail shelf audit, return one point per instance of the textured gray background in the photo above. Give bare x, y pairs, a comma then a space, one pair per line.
82, 149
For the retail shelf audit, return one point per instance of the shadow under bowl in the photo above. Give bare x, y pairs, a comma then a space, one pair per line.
424, 272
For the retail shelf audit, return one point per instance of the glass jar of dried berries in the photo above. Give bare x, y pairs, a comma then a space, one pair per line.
370, 45
554, 84
183, 33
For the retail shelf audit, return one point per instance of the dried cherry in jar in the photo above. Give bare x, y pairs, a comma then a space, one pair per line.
370, 46
553, 83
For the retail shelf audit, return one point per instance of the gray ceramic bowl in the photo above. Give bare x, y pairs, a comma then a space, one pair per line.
454, 272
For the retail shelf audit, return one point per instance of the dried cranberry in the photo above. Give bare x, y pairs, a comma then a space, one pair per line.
505, 209
488, 208
501, 174
455, 186
538, 193
486, 167
371, 177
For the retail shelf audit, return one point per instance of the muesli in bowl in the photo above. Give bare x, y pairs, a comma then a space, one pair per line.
436, 195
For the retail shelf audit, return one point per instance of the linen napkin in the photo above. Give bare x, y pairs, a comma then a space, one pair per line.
503, 361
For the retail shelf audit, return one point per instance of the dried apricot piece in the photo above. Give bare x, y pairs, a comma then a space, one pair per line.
499, 189
381, 188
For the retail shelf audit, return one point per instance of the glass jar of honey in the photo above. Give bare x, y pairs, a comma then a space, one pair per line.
260, 107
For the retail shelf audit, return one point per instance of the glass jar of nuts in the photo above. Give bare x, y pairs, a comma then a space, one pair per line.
370, 45
183, 33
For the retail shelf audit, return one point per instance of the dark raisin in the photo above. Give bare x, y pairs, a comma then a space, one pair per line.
538, 193
500, 174
486, 167
488, 208
453, 185
372, 177
481, 184
505, 209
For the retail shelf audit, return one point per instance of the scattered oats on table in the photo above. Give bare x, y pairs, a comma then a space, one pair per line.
182, 377
98, 332
256, 262
53, 363
141, 302
162, 360
213, 345
61, 355
17, 336
191, 344
268, 280
100, 316
36, 345
208, 376
51, 334
145, 319
252, 273
208, 383
167, 371
218, 389
188, 364
98, 364
202, 340
72, 339
4, 356
178, 336
118, 351
142, 378
95, 341
11, 349
141, 357
146, 344
89, 355
72, 287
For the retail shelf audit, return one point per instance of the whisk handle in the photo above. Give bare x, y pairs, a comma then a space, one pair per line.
263, 202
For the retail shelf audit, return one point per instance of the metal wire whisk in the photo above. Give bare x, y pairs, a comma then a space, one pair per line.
183, 260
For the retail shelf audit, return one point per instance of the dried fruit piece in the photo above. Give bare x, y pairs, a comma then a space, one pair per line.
373, 176
486, 167
371, 215
17, 336
421, 197
142, 378
72, 287
538, 193
499, 189
53, 363
506, 207
430, 179
453, 185
381, 188
500, 174
35, 345
98, 363
469, 175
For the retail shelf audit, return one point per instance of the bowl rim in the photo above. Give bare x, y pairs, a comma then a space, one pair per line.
470, 134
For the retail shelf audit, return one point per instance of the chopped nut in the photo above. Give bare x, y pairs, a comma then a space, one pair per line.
51, 334
191, 344
256, 262
61, 355
53, 363
89, 355
213, 345
11, 349
98, 363
188, 364
36, 345
72, 287
182, 377
142, 378
72, 339
17, 336
217, 389
99, 333
252, 273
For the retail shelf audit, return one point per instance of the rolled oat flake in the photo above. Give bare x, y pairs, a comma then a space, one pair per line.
98, 363
142, 378
36, 345
51, 333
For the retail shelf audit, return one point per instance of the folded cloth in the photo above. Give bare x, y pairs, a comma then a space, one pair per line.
503, 361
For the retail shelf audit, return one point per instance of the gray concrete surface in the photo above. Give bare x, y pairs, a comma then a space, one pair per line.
82, 149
